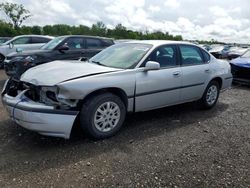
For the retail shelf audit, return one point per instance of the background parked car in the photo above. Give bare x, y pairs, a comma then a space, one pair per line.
4, 39
205, 46
70, 47
23, 42
240, 68
220, 51
235, 52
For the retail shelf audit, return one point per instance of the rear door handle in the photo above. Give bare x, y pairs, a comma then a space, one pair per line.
177, 73
207, 71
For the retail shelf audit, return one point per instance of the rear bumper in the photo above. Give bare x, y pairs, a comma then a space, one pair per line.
39, 117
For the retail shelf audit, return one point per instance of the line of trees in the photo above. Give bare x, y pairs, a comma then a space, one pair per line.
99, 29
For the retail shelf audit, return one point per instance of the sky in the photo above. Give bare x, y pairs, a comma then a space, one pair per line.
227, 21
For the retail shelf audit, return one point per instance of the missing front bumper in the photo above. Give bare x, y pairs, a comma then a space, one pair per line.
39, 117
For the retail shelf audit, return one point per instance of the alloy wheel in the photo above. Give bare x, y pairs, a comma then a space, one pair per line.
212, 94
107, 116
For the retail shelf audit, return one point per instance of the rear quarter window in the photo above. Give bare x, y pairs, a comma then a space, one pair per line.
206, 56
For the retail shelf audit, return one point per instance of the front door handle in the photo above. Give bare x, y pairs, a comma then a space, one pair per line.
207, 71
177, 73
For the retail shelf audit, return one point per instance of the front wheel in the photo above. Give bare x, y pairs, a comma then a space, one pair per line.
210, 96
1, 61
102, 115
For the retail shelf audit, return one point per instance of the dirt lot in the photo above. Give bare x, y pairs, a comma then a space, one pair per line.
173, 147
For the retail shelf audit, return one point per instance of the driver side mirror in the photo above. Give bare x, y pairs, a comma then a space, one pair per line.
83, 59
11, 45
63, 48
152, 65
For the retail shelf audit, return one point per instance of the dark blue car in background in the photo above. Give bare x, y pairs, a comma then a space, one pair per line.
240, 68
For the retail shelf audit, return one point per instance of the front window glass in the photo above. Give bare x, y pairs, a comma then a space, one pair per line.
124, 56
53, 43
23, 40
190, 55
246, 54
74, 43
164, 55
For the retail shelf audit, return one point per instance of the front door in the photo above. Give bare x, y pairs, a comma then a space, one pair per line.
159, 88
76, 46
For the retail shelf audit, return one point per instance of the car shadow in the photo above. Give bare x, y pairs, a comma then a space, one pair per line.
22, 148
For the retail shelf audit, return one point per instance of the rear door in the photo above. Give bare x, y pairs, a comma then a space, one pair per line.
195, 72
159, 88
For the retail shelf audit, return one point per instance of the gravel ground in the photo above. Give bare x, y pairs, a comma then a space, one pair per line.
179, 146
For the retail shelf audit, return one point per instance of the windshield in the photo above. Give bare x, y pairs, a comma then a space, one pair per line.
246, 54
53, 43
124, 56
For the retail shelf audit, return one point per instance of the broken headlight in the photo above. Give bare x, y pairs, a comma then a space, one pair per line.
49, 96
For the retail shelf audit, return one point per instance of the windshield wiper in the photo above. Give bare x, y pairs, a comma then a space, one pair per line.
98, 63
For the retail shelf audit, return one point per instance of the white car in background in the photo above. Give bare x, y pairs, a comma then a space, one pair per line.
21, 43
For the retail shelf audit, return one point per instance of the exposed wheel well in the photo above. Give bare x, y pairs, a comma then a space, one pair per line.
219, 80
116, 91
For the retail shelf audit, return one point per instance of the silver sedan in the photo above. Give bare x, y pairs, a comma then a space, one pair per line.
127, 77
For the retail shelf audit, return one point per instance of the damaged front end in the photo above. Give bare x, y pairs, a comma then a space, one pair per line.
47, 95
39, 109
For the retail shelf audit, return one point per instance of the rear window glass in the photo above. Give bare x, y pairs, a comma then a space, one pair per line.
190, 55
36, 40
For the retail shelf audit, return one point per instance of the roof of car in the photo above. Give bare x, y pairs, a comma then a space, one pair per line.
87, 36
45, 36
160, 42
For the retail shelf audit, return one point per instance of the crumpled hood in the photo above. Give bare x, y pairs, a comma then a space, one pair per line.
241, 62
50, 74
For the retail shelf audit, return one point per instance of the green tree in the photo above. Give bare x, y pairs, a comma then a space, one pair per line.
16, 13
6, 30
99, 29
120, 32
36, 30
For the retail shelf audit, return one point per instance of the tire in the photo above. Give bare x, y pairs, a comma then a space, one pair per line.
214, 89
1, 61
98, 122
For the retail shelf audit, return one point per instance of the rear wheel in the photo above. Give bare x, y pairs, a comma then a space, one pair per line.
102, 115
211, 95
